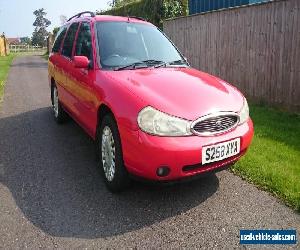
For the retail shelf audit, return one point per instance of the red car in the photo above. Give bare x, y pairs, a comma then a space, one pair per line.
151, 115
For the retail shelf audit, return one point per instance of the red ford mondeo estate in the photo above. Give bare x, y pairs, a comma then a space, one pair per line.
151, 115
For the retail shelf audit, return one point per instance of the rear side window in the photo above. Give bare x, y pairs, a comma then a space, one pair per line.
59, 37
84, 41
68, 43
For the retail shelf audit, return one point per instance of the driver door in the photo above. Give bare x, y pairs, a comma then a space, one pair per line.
82, 81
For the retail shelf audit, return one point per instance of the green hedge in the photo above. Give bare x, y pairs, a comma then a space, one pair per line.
155, 11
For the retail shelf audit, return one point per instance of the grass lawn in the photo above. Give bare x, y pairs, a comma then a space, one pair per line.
273, 160
5, 62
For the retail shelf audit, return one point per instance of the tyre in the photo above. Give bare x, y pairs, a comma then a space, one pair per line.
59, 113
110, 155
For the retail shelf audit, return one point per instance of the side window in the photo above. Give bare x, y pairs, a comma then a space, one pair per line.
59, 37
68, 43
84, 41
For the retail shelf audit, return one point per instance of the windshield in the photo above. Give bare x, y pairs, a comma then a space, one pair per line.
124, 44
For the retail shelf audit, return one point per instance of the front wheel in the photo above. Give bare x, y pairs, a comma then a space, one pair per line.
111, 157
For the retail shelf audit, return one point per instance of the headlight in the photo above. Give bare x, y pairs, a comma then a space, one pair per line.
244, 113
155, 122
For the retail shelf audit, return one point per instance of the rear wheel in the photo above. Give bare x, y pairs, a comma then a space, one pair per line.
111, 157
59, 113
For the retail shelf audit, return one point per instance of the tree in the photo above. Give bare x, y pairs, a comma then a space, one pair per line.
119, 3
25, 40
55, 30
113, 3
40, 34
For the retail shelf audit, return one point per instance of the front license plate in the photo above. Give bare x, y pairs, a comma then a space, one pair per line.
220, 151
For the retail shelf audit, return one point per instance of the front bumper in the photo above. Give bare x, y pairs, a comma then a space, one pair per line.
144, 153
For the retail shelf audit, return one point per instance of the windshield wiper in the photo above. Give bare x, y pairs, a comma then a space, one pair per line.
139, 65
135, 65
176, 62
152, 61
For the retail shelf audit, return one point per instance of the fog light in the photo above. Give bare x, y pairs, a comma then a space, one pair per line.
162, 171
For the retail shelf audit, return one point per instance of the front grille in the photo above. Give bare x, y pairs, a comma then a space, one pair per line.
215, 124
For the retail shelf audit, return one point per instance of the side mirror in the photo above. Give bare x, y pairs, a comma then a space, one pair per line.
81, 62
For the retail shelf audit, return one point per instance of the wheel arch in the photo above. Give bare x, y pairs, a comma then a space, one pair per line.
103, 110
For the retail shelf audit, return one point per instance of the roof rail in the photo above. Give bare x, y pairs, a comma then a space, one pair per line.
82, 13
139, 18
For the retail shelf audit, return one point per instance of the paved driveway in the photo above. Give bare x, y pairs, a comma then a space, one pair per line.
51, 193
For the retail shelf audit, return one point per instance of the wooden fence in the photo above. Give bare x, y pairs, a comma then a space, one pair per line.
256, 48
26, 48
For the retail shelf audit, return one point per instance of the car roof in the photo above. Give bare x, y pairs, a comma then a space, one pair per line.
108, 18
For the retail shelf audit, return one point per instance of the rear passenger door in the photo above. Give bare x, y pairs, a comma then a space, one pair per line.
81, 81
67, 96
55, 60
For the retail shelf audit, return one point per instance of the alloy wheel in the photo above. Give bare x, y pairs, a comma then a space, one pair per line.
108, 152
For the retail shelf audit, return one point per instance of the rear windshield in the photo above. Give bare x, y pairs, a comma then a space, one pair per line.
124, 43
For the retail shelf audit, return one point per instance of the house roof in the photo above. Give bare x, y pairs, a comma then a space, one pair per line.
13, 40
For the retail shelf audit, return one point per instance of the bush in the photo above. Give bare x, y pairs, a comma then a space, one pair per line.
155, 11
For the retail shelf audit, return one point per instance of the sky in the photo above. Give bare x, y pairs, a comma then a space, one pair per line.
16, 16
